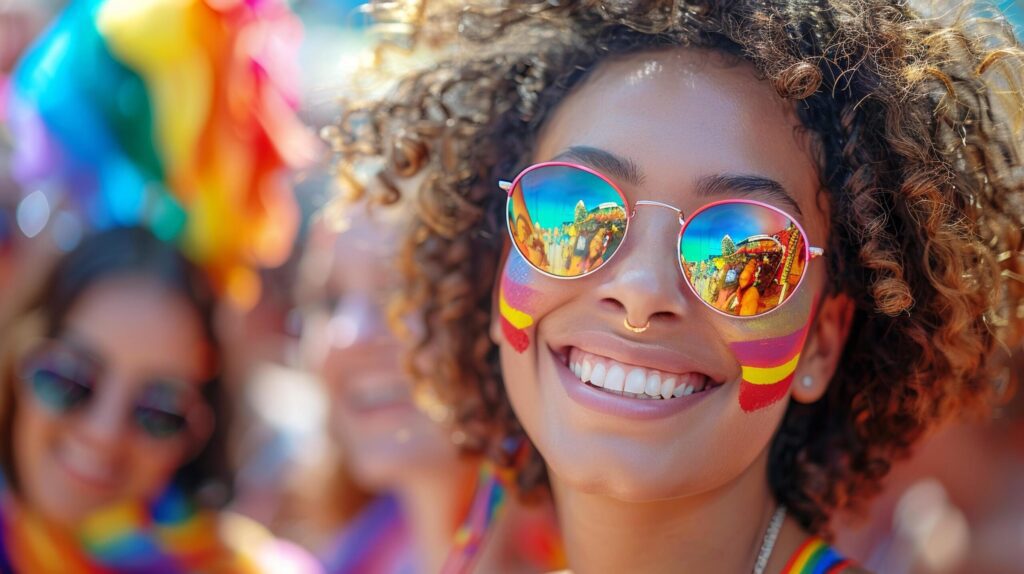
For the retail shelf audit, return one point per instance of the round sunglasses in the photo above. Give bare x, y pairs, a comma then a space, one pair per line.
740, 257
63, 379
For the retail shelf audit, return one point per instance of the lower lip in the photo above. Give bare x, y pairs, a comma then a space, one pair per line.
609, 404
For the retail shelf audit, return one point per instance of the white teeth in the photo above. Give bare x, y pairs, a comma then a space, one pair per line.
632, 381
615, 381
635, 382
586, 370
667, 386
653, 386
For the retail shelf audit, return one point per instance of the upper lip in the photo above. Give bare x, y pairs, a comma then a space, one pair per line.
635, 353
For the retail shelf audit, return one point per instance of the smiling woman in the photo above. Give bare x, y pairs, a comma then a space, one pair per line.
714, 200
111, 415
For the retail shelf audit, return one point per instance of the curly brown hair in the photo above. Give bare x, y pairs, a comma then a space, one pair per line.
916, 119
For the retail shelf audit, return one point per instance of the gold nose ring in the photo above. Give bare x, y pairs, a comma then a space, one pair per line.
633, 328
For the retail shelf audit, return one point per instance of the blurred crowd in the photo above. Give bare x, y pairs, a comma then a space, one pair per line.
242, 372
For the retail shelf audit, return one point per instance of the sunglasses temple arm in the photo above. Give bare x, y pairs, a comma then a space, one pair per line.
817, 252
505, 186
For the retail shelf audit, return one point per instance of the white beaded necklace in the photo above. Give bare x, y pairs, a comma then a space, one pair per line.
771, 534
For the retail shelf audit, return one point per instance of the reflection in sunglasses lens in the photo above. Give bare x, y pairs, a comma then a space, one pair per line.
566, 221
58, 391
157, 423
741, 258
159, 411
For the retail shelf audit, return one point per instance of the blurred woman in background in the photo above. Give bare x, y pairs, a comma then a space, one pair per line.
113, 417
400, 488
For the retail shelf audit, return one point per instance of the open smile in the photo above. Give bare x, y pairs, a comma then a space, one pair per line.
628, 389
633, 381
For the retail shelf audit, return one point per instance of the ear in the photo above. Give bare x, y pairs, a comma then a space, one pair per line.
823, 349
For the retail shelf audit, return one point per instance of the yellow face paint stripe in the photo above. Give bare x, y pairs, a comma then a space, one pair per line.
771, 375
517, 318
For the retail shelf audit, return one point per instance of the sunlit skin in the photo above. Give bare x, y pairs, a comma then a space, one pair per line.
71, 465
687, 491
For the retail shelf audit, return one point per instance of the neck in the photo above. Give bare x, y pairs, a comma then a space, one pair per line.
716, 531
432, 503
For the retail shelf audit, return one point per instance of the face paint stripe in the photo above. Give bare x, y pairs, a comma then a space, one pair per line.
515, 337
766, 353
517, 318
756, 397
515, 297
772, 375
768, 367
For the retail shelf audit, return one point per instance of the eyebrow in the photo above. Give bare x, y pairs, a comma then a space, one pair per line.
748, 185
621, 168
626, 170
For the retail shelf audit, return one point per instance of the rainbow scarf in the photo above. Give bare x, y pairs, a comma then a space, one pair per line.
816, 557
167, 538
176, 115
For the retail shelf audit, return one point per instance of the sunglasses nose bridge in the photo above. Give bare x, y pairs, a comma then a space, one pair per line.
652, 203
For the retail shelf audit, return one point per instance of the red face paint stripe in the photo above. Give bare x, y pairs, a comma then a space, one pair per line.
755, 397
516, 337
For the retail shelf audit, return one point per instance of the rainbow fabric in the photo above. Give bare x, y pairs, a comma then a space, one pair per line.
170, 537
377, 542
488, 502
768, 366
173, 114
514, 297
816, 557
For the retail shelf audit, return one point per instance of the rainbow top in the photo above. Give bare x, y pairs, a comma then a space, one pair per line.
178, 115
816, 557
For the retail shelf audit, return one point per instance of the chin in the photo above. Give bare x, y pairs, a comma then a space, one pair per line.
633, 481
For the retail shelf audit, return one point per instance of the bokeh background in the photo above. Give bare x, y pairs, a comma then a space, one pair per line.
958, 506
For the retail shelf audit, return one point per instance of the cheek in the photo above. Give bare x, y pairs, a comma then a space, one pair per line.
768, 351
522, 300
33, 430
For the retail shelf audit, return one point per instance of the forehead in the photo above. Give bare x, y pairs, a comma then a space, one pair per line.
683, 114
140, 329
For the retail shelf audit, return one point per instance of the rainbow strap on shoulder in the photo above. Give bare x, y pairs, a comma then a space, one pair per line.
488, 503
816, 557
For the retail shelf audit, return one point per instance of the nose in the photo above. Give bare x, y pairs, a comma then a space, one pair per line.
643, 280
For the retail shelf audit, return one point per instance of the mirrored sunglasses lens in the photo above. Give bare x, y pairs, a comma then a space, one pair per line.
159, 424
566, 221
160, 411
59, 382
742, 258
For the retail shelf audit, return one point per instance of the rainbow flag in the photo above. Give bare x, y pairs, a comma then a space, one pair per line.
177, 115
